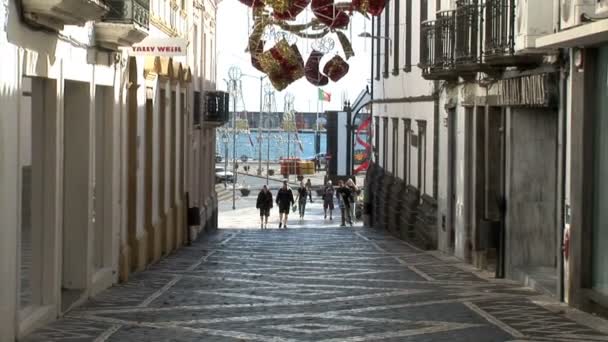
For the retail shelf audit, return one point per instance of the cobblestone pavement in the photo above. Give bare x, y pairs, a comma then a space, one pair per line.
311, 284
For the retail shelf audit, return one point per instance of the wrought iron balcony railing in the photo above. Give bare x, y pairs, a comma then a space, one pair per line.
499, 28
467, 20
217, 104
437, 45
129, 12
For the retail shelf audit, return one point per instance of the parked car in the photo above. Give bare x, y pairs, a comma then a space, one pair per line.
221, 175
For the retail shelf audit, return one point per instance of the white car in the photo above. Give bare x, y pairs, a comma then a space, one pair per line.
221, 175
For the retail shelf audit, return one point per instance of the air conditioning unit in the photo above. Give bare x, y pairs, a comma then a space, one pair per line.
529, 25
601, 8
572, 11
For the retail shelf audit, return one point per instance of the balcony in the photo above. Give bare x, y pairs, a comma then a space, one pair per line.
55, 14
125, 24
437, 47
217, 104
500, 48
467, 46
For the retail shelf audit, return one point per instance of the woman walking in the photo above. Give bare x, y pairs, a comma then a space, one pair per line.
264, 203
285, 201
328, 200
309, 189
301, 199
343, 194
354, 192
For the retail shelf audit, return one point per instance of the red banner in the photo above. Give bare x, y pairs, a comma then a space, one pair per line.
363, 127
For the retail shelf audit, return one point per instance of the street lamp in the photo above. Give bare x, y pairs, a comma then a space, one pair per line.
369, 35
262, 77
225, 141
234, 73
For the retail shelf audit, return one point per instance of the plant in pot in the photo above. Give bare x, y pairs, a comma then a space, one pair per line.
245, 191
270, 172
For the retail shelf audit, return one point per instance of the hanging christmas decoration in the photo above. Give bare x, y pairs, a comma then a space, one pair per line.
283, 63
336, 68
312, 72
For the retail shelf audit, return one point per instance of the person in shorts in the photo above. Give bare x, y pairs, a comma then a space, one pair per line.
284, 201
264, 203
328, 200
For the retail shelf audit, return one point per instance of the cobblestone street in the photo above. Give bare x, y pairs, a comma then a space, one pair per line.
311, 284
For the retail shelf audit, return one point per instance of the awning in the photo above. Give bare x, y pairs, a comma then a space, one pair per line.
594, 33
166, 68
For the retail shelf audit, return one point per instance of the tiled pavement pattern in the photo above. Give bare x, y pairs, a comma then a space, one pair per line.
334, 284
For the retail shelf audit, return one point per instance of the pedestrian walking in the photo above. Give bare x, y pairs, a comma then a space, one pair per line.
284, 201
328, 200
309, 189
354, 191
344, 196
264, 203
301, 199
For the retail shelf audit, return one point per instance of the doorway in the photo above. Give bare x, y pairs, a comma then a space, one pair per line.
452, 173
38, 157
76, 187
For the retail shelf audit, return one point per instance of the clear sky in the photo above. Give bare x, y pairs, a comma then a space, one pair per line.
232, 37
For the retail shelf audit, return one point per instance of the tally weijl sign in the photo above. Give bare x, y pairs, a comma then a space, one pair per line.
162, 47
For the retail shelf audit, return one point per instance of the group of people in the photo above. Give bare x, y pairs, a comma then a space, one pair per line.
345, 195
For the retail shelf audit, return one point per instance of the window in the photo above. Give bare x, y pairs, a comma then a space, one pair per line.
406, 150
424, 10
395, 145
396, 40
421, 155
384, 143
408, 36
376, 138
386, 41
377, 32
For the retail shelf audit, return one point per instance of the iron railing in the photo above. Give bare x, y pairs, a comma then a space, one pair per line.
129, 12
437, 43
217, 105
467, 25
499, 27
427, 44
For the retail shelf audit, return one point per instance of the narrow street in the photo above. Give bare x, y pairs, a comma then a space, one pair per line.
312, 284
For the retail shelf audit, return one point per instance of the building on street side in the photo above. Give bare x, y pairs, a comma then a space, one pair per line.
98, 147
405, 111
580, 35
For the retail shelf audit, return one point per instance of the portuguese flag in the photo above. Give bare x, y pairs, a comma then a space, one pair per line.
323, 96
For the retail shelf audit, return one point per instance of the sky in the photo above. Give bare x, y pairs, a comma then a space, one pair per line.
232, 37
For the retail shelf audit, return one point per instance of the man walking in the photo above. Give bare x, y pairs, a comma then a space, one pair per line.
284, 201
343, 193
328, 200
301, 199
264, 203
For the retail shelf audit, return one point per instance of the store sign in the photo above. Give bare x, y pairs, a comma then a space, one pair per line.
161, 47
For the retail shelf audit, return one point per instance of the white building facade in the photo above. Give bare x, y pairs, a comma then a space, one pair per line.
405, 112
97, 148
499, 147
580, 35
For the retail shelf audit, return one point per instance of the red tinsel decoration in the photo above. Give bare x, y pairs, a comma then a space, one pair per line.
327, 14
